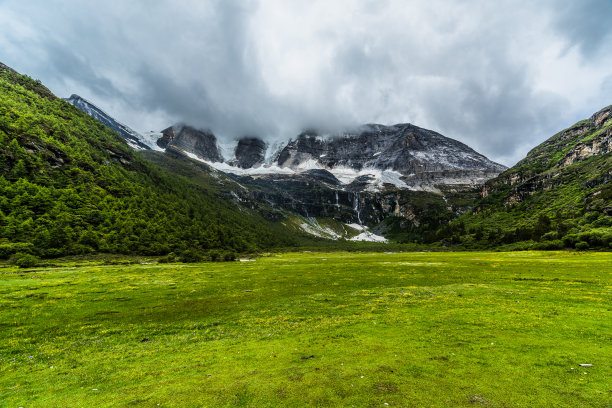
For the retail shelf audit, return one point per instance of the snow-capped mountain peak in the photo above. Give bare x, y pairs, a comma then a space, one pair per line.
134, 139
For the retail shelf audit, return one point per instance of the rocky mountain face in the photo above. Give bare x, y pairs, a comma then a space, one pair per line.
250, 152
373, 157
193, 142
420, 157
133, 138
559, 196
317, 193
416, 175
404, 156
543, 167
361, 177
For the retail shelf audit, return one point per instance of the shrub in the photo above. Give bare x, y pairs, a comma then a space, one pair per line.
190, 256
229, 256
214, 256
550, 236
8, 249
24, 260
550, 245
570, 240
581, 246
171, 257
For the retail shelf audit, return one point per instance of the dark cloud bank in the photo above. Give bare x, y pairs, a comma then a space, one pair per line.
499, 76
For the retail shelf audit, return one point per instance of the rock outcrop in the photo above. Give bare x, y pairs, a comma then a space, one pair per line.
546, 166
191, 141
250, 152
133, 138
419, 155
358, 177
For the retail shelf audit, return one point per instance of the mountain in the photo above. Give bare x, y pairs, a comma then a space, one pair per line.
198, 144
373, 156
404, 156
558, 196
401, 180
407, 155
134, 139
71, 185
250, 152
350, 189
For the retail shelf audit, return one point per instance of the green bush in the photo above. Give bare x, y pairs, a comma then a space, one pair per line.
11, 248
191, 256
24, 260
214, 256
229, 256
570, 240
581, 245
550, 236
550, 245
171, 257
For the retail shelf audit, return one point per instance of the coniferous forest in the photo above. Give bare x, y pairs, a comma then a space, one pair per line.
69, 185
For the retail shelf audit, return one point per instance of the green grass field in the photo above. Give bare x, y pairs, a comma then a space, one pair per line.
312, 329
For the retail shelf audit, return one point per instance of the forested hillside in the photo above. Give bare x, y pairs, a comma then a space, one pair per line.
69, 185
559, 196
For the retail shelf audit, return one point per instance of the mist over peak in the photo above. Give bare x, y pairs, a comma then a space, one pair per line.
495, 76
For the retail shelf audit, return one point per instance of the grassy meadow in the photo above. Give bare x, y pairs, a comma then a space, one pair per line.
312, 329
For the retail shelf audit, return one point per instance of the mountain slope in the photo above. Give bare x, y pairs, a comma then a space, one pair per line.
420, 158
70, 185
403, 155
560, 194
365, 176
413, 179
198, 144
133, 138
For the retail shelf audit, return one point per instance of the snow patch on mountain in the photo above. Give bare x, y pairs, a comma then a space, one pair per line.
226, 168
365, 234
358, 227
310, 164
345, 175
226, 150
368, 236
312, 227
150, 139
378, 178
134, 139
273, 150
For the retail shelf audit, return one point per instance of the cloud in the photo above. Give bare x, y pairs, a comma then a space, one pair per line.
499, 76
586, 25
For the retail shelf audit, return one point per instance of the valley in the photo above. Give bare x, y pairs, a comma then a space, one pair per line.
311, 329
305, 204
75, 181
362, 176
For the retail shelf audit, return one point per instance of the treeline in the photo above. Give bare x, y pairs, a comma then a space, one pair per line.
69, 185
545, 234
533, 226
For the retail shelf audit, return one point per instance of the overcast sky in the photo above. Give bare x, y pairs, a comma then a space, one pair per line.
500, 76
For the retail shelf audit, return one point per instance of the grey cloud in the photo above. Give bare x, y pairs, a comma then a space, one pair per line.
66, 64
587, 24
453, 68
606, 85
